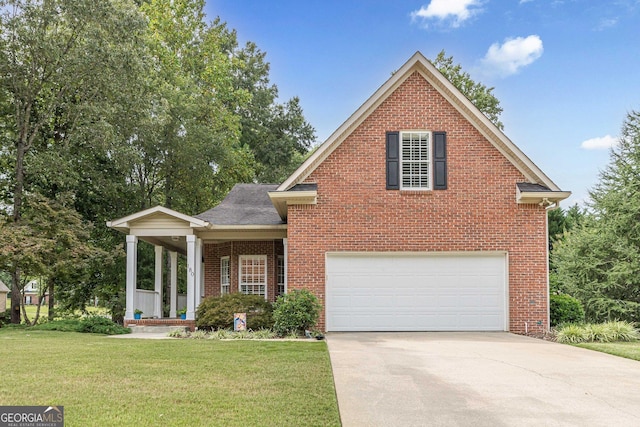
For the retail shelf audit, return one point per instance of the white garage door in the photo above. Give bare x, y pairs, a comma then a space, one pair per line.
409, 292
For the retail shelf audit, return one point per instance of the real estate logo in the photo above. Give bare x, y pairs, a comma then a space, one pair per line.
31, 416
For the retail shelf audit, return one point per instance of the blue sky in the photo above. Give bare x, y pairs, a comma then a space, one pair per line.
565, 72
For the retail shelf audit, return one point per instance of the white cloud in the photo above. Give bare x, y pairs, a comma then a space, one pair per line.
601, 143
454, 11
606, 23
509, 57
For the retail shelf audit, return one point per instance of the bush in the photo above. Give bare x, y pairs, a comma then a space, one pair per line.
5, 318
296, 311
623, 331
217, 312
565, 309
91, 325
597, 332
101, 325
571, 334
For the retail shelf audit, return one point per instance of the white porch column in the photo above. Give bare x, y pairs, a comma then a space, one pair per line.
286, 265
173, 256
191, 277
157, 299
198, 271
132, 274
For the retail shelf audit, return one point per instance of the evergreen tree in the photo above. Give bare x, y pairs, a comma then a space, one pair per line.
599, 261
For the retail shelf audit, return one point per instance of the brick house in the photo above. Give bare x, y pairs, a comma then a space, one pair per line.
416, 214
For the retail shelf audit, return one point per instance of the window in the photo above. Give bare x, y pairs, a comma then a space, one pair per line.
415, 160
253, 274
280, 275
225, 277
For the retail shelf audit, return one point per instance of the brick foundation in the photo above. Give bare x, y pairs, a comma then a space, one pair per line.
191, 324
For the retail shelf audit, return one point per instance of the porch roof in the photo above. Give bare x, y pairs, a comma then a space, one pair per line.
246, 213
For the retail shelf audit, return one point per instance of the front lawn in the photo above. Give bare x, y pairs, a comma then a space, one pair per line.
125, 382
630, 350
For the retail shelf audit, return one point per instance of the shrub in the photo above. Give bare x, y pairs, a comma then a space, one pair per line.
597, 332
101, 325
217, 312
623, 331
565, 309
296, 311
571, 334
91, 324
5, 318
63, 325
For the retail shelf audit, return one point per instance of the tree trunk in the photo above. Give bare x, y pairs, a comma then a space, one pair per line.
15, 296
24, 310
21, 148
51, 302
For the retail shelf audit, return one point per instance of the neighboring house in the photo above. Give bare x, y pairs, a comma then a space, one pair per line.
416, 214
31, 293
4, 290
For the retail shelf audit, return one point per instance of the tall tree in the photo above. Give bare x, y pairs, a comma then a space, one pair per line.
480, 95
60, 59
599, 261
277, 134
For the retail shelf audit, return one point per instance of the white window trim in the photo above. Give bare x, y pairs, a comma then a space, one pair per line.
429, 161
228, 276
240, 283
279, 259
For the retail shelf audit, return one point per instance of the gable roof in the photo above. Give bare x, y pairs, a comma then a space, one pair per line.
3, 287
422, 65
124, 224
245, 204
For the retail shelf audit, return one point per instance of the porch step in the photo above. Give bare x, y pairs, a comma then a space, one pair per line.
155, 329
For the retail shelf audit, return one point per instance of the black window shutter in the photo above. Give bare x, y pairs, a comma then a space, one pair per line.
393, 160
439, 160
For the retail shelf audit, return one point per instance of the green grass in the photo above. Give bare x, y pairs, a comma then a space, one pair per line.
125, 382
31, 310
630, 350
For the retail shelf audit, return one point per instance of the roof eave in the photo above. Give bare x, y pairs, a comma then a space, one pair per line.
541, 197
282, 199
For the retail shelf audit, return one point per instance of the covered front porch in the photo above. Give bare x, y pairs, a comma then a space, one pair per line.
177, 234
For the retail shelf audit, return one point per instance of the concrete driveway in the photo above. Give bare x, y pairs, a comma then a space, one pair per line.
479, 379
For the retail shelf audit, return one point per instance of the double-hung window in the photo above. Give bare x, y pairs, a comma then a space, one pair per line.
415, 160
280, 274
225, 276
253, 274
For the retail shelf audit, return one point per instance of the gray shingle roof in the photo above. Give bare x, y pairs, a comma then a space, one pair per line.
246, 204
529, 187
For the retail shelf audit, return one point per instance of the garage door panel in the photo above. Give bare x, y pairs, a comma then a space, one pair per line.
415, 292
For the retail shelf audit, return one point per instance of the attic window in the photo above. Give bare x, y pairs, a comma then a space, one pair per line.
415, 160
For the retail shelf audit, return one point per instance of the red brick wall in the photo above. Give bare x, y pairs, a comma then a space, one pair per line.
213, 252
478, 211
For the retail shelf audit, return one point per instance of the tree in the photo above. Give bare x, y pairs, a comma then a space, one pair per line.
62, 60
562, 221
277, 134
599, 261
480, 95
51, 241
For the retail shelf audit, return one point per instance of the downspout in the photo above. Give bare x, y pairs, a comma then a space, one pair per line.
549, 206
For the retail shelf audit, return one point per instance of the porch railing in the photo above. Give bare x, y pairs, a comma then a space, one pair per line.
145, 301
